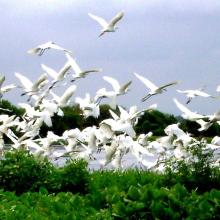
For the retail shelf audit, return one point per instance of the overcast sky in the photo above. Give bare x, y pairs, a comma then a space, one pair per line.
163, 40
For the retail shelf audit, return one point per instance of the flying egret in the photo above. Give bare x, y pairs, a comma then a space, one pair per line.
57, 77
186, 113
190, 94
117, 91
78, 72
29, 87
88, 106
40, 49
154, 90
107, 26
64, 100
5, 88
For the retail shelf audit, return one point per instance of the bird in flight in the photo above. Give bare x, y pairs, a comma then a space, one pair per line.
107, 26
190, 94
40, 49
78, 72
154, 90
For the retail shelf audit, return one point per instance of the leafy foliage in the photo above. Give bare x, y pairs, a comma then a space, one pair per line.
20, 171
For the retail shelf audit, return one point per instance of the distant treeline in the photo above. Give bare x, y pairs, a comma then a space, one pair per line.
154, 121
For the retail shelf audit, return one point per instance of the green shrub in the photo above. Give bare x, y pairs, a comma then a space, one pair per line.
195, 173
20, 171
75, 176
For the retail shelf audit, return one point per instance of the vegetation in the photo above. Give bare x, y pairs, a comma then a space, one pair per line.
32, 188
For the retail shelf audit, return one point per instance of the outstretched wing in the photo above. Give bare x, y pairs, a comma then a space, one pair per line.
117, 18
169, 84
26, 83
73, 64
146, 82
100, 20
113, 82
50, 71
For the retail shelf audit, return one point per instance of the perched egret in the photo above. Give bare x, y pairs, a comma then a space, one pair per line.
107, 26
40, 49
154, 90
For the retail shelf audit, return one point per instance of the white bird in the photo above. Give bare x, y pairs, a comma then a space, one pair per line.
107, 26
64, 100
57, 77
190, 94
88, 106
186, 113
78, 72
154, 90
204, 125
5, 88
120, 123
29, 87
40, 49
117, 91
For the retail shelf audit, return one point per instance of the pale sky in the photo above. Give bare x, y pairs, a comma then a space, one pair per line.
163, 40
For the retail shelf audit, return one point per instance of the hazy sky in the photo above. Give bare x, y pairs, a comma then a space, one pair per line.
163, 40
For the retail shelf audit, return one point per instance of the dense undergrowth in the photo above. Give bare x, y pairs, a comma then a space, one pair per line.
33, 188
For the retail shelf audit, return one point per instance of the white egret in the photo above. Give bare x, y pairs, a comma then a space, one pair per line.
154, 90
64, 100
5, 88
117, 91
216, 140
88, 106
40, 49
57, 77
78, 72
29, 87
186, 113
107, 26
190, 94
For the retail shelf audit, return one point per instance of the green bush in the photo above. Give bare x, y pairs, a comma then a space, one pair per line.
20, 171
197, 173
74, 176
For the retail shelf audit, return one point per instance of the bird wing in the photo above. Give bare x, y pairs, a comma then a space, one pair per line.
182, 107
125, 86
8, 88
117, 18
100, 20
26, 83
2, 79
34, 50
113, 82
114, 116
201, 93
73, 64
146, 82
169, 84
50, 71
183, 91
